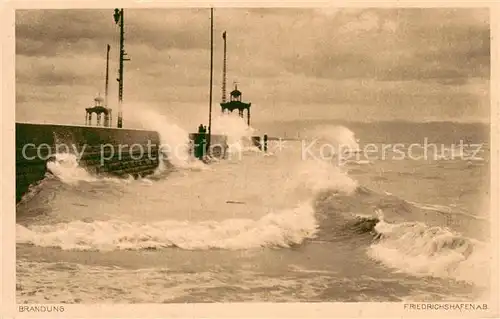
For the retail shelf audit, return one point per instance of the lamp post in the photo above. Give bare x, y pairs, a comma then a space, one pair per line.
224, 69
211, 78
119, 20
106, 84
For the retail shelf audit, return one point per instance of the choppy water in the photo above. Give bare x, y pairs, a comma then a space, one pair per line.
260, 227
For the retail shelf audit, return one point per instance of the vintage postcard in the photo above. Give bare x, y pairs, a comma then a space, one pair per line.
249, 160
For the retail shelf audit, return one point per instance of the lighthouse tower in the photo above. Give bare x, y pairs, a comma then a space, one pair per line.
235, 103
100, 104
99, 109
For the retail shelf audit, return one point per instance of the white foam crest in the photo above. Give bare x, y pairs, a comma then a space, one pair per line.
317, 175
340, 137
175, 142
65, 167
418, 249
236, 129
281, 229
447, 209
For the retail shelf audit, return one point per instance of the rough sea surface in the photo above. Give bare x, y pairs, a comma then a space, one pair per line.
273, 227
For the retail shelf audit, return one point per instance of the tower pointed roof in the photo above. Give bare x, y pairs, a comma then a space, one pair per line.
235, 92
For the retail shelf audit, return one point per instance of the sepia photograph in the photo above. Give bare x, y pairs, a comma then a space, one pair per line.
254, 155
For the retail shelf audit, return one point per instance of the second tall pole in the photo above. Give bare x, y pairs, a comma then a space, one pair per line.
211, 78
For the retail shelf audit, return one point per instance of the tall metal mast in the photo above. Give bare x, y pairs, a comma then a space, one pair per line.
211, 76
224, 70
107, 77
119, 19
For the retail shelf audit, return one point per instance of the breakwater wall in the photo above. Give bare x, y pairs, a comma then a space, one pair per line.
101, 150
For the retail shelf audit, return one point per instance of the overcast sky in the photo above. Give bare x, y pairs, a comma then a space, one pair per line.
375, 64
